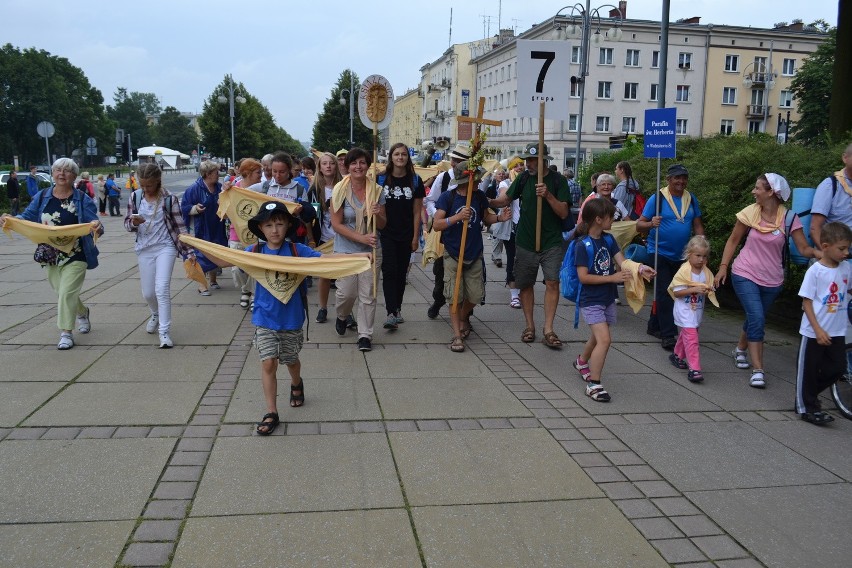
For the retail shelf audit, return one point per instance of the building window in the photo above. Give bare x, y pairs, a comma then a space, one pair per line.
760, 65
680, 126
727, 127
654, 89
514, 125
682, 95
631, 91
786, 99
753, 126
605, 57
516, 97
788, 69
501, 100
732, 63
757, 97
575, 90
576, 54
684, 60
602, 124
655, 60
604, 89
729, 96
490, 78
572, 123
632, 59
628, 124
509, 71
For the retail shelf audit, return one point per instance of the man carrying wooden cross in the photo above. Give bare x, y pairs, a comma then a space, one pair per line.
555, 206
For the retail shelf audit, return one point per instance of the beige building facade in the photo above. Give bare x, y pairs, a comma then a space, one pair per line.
406, 121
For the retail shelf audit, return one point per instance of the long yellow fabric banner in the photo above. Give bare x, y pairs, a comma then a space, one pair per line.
281, 275
63, 237
240, 205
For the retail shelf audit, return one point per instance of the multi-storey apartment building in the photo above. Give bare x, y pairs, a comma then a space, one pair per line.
406, 120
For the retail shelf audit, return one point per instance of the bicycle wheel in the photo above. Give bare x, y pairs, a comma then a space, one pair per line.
841, 391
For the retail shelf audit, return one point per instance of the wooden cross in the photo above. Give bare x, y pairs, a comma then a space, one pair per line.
478, 121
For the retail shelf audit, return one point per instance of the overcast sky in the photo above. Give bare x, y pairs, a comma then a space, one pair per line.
290, 54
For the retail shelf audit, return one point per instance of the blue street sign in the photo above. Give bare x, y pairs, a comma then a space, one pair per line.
660, 132
465, 102
437, 156
411, 152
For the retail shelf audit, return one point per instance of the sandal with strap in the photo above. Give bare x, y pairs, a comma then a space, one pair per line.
528, 336
677, 361
66, 341
457, 345
741, 358
244, 301
265, 428
582, 368
597, 393
515, 303
819, 417
297, 400
757, 381
552, 340
466, 328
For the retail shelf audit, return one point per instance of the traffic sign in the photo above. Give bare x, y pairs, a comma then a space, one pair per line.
544, 75
91, 142
660, 140
45, 129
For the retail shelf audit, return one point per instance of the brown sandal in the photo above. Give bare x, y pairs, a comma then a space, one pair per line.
552, 340
528, 336
466, 328
457, 345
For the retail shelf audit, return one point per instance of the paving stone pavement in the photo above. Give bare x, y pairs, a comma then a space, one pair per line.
116, 453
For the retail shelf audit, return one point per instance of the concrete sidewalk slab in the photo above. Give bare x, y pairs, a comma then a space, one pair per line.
487, 466
433, 362
103, 333
829, 447
341, 538
21, 364
321, 363
282, 474
125, 364
437, 398
69, 545
10, 316
78, 480
19, 399
116, 404
326, 400
191, 325
587, 532
786, 526
729, 455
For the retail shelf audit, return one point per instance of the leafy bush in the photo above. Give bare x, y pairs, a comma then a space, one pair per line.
722, 173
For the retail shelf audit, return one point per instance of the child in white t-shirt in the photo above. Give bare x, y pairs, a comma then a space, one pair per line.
824, 292
690, 288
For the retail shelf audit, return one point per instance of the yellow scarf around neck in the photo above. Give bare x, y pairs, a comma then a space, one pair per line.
750, 217
685, 202
683, 277
363, 215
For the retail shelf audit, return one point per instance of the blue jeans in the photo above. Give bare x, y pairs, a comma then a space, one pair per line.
755, 300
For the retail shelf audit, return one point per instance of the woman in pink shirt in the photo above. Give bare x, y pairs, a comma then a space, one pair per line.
757, 273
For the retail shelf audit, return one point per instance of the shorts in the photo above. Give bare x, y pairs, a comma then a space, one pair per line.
527, 263
472, 286
284, 344
599, 314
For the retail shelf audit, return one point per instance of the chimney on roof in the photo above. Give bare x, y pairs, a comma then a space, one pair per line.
796, 26
692, 20
622, 5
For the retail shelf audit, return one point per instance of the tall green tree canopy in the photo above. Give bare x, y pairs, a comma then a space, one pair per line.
331, 130
130, 114
37, 86
174, 131
255, 131
812, 89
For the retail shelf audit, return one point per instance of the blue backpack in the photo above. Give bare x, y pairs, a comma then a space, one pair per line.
569, 280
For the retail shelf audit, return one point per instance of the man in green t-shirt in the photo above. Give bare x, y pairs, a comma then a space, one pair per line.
555, 206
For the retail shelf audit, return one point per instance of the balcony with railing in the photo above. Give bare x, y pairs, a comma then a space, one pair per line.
756, 111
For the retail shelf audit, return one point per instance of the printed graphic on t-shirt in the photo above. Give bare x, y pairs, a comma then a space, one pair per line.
397, 192
835, 296
473, 222
602, 262
694, 301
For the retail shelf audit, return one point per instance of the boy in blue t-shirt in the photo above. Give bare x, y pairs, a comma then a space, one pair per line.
451, 213
598, 292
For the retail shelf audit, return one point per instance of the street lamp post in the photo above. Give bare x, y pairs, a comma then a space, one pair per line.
230, 99
351, 91
586, 16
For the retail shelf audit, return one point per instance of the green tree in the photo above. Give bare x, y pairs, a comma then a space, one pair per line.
255, 131
331, 130
812, 91
129, 114
173, 131
38, 86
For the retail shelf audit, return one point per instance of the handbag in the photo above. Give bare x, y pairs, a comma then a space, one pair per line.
46, 254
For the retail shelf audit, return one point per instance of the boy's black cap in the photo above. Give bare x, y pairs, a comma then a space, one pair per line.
266, 211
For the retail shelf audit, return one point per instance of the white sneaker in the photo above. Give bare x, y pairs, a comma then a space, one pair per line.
66, 341
153, 323
757, 381
165, 340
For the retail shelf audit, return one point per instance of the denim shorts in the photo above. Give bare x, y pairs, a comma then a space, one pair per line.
599, 314
283, 345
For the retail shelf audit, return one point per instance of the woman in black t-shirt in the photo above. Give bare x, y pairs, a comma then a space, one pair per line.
404, 192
